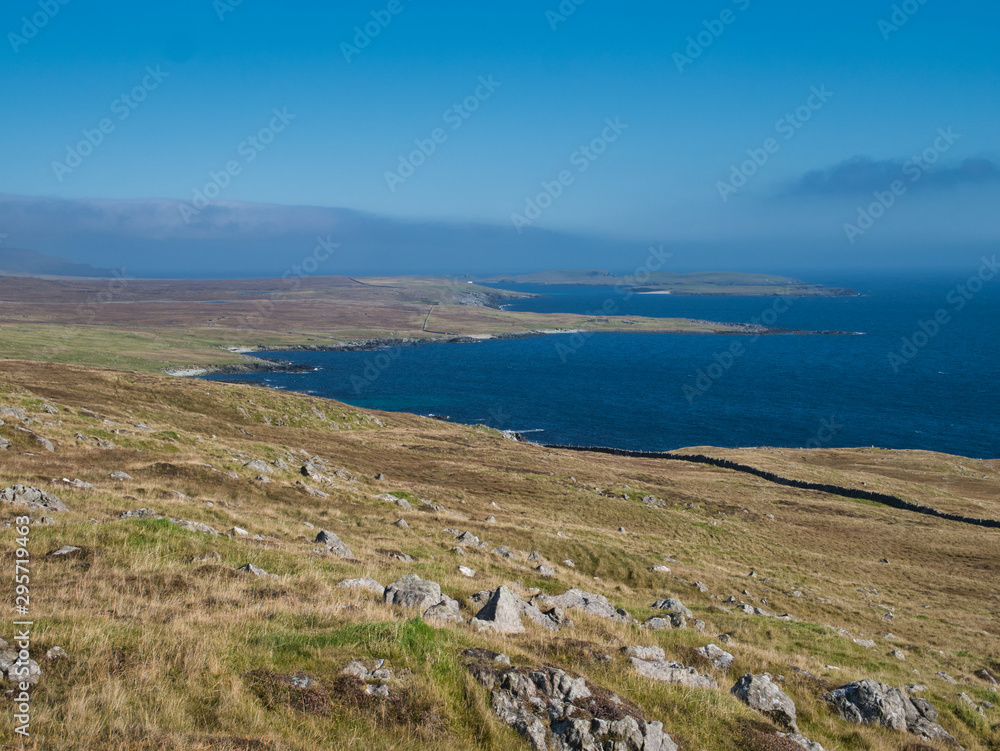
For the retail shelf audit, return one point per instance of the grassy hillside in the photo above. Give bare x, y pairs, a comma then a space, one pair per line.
169, 647
147, 325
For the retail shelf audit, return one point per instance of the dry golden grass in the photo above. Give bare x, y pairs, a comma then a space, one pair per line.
170, 648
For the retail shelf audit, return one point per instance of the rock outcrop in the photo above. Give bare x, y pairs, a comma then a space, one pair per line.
553, 709
719, 657
587, 602
501, 613
32, 499
759, 692
673, 673
333, 544
870, 702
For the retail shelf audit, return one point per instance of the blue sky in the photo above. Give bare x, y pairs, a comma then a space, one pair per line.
349, 123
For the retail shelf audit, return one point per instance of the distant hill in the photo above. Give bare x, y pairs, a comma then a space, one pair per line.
17, 262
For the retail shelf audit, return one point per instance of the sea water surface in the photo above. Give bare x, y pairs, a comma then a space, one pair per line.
666, 391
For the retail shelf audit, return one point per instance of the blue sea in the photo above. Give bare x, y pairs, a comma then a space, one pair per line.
921, 373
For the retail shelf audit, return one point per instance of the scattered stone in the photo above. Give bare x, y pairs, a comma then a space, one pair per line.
56, 653
238, 532
673, 673
458, 550
411, 591
366, 583
467, 538
397, 555
946, 678
261, 468
357, 669
717, 656
501, 613
390, 498
673, 605
32, 498
466, 571
545, 572
42, 441
334, 544
659, 569
65, 550
866, 643
569, 563
657, 624
577, 599
967, 700
401, 523
121, 476
312, 491
987, 676
898, 654
445, 611
761, 694
194, 526
490, 520
249, 568
650, 654
13, 413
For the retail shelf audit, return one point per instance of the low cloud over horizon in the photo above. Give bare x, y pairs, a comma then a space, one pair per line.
150, 237
862, 175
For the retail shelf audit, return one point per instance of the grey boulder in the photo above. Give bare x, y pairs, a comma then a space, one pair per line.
32, 499
673, 673
411, 591
760, 693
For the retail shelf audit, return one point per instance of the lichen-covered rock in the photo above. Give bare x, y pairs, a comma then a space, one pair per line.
673, 673
673, 605
32, 499
501, 613
870, 702
760, 693
249, 568
446, 611
719, 657
578, 599
650, 654
411, 591
334, 544
552, 709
